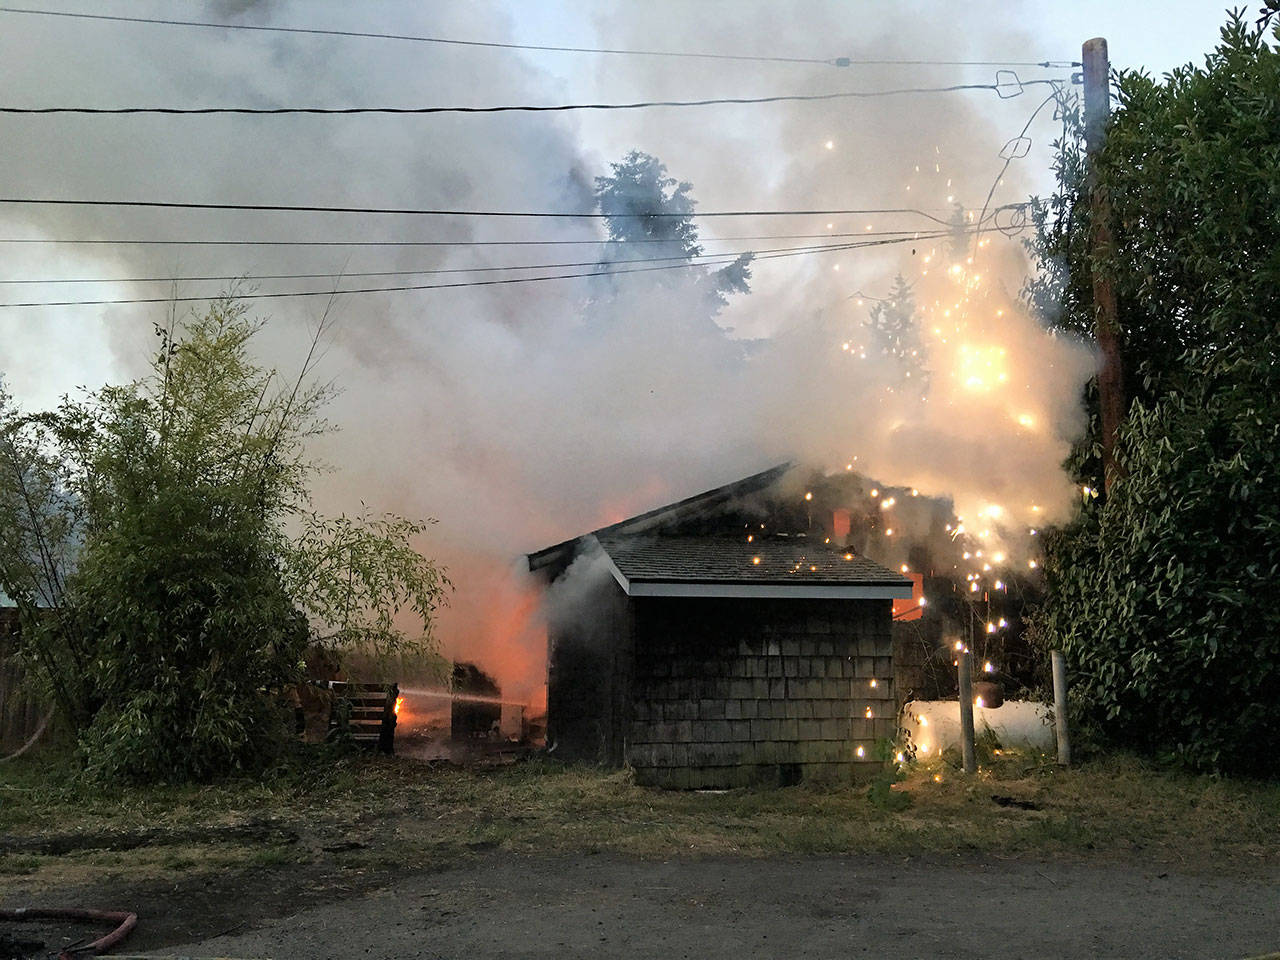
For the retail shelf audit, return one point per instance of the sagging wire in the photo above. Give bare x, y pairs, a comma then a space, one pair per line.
1006, 86
544, 48
1015, 149
729, 259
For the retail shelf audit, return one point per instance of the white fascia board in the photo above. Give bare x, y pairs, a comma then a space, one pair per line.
623, 582
770, 591
763, 591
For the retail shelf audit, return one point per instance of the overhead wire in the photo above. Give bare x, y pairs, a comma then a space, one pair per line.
998, 87
1002, 88
1014, 149
691, 259
545, 48
435, 243
442, 286
411, 211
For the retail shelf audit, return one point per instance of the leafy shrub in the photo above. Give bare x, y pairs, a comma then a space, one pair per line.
144, 534
1157, 593
1159, 596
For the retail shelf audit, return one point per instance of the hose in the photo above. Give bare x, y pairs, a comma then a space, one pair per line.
124, 921
32, 742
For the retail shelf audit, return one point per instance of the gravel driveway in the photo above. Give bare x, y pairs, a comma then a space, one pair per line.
607, 906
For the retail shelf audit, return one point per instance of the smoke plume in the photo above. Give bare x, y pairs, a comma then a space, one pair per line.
523, 414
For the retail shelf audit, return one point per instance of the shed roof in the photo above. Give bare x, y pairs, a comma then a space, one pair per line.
732, 566
697, 505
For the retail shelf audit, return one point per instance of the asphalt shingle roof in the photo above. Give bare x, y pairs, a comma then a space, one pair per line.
722, 559
697, 505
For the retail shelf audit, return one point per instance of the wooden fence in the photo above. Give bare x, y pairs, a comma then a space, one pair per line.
21, 709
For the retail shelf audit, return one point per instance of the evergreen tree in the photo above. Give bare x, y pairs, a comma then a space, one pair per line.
894, 328
648, 215
958, 235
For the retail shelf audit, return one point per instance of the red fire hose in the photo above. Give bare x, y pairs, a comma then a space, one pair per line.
125, 922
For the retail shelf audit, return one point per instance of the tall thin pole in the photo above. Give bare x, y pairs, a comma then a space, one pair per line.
1060, 706
965, 667
1097, 107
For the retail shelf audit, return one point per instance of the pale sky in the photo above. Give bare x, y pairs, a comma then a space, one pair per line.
49, 353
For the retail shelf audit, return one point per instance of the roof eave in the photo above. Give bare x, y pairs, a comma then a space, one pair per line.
652, 518
760, 590
803, 590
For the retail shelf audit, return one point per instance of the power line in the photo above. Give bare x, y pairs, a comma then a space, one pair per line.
410, 211
596, 241
692, 260
1018, 147
434, 286
1006, 90
546, 48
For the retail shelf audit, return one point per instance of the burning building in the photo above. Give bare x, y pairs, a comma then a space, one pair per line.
723, 640
476, 704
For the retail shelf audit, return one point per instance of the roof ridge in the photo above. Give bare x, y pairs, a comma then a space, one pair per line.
671, 511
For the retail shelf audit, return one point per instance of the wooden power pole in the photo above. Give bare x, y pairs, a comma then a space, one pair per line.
1059, 665
964, 665
1097, 107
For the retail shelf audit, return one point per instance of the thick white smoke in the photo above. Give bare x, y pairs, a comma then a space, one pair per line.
521, 415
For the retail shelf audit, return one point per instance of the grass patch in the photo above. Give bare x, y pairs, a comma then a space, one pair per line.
17, 864
384, 813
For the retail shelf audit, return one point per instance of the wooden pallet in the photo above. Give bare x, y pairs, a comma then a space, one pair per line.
370, 712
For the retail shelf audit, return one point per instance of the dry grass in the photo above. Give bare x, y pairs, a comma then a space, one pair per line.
375, 813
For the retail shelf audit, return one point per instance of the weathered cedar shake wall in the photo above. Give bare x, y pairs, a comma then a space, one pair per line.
589, 662
733, 692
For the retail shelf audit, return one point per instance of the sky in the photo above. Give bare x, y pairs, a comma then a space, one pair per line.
71, 347
520, 415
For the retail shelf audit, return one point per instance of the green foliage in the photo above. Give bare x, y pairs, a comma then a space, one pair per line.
1154, 592
894, 326
190, 629
881, 793
145, 533
358, 575
1190, 170
39, 537
649, 214
1156, 595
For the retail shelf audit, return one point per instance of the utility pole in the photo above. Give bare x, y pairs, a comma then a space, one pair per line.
1060, 707
964, 666
1097, 107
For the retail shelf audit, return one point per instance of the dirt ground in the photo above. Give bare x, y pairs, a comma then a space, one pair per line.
609, 906
350, 856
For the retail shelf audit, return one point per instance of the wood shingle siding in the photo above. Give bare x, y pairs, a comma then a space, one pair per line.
733, 692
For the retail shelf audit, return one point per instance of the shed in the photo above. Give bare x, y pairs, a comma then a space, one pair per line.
706, 648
